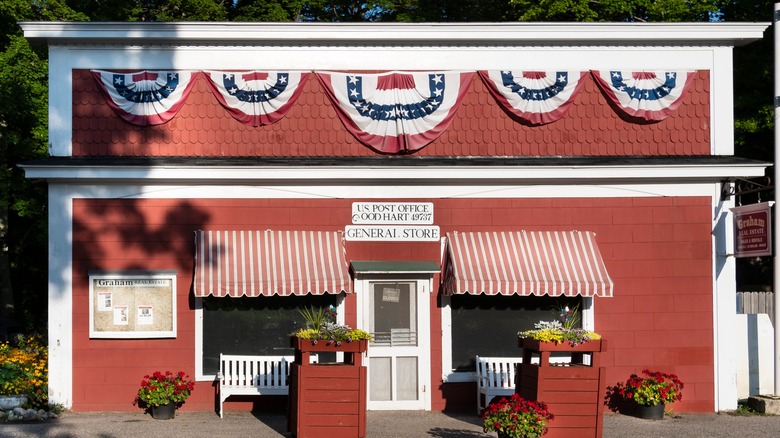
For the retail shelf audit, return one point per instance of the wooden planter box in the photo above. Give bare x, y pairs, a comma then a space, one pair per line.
327, 400
574, 392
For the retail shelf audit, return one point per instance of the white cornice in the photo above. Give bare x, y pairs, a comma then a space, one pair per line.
399, 175
253, 34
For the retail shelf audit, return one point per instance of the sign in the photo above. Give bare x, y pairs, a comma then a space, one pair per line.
753, 230
399, 233
132, 304
392, 213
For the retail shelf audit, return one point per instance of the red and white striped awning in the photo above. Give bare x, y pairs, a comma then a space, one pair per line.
254, 263
551, 263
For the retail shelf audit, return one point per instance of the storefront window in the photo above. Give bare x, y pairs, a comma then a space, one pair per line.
487, 325
253, 325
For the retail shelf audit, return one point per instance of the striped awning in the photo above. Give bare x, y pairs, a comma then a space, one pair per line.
254, 263
551, 263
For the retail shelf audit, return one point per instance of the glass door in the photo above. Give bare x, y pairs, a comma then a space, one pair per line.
398, 370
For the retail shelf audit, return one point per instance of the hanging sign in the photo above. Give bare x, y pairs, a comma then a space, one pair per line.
753, 230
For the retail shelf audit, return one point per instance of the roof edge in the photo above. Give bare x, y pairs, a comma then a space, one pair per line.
657, 34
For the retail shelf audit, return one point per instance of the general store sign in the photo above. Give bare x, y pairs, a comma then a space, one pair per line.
392, 221
753, 230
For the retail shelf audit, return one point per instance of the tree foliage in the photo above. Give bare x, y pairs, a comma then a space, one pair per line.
617, 10
24, 136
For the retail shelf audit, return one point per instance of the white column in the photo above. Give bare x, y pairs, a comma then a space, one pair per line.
775, 260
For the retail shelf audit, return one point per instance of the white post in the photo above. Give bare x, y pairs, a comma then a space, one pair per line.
775, 259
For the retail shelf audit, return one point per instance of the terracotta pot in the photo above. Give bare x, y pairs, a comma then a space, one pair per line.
164, 412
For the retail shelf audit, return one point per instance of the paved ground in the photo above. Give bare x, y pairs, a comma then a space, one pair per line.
380, 425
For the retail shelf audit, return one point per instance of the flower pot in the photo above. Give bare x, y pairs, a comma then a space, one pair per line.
164, 412
655, 412
8, 402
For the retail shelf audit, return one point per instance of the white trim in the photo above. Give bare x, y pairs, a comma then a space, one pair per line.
722, 102
409, 175
724, 302
413, 191
60, 324
361, 33
199, 376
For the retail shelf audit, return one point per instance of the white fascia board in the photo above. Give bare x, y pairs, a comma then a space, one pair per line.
400, 174
729, 34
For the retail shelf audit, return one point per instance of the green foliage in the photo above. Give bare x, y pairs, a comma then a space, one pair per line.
321, 325
24, 369
159, 389
617, 10
24, 136
516, 417
652, 389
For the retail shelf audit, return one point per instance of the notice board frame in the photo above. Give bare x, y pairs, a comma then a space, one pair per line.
132, 304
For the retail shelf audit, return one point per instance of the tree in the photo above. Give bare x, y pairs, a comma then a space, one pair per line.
153, 10
23, 136
617, 10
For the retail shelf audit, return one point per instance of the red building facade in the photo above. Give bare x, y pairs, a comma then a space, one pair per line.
137, 199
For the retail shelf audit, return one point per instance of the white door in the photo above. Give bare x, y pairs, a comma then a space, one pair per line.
396, 314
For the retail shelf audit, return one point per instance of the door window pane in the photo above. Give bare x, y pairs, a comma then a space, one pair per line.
393, 313
380, 384
407, 378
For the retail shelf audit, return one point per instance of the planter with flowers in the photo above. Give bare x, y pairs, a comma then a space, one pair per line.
312, 411
161, 393
648, 395
23, 371
516, 417
572, 386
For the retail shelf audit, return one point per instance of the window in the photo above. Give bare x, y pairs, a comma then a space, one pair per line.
252, 325
487, 326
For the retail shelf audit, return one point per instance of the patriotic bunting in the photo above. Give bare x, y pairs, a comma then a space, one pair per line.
396, 112
534, 97
648, 95
257, 98
146, 97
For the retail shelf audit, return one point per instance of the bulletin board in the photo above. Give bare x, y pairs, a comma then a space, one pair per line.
132, 304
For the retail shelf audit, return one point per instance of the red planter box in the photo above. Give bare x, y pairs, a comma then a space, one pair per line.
574, 392
328, 400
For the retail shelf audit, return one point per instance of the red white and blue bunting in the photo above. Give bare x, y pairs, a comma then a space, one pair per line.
146, 97
534, 97
648, 95
396, 112
257, 98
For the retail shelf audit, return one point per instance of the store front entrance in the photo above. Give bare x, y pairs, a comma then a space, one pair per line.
395, 309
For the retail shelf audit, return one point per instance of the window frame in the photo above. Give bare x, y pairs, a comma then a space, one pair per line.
449, 376
199, 375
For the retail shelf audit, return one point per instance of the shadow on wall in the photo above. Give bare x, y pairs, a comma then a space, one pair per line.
135, 234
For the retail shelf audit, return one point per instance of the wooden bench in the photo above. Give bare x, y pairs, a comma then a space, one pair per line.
495, 377
252, 375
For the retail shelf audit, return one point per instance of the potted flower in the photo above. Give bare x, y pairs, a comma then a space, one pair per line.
322, 331
161, 393
563, 330
516, 417
650, 393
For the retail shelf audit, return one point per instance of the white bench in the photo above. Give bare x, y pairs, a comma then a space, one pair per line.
252, 375
495, 377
